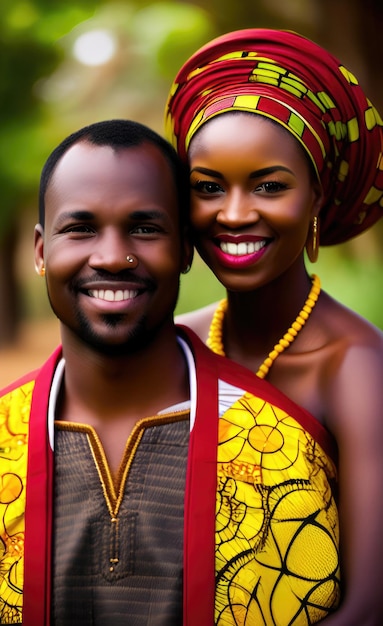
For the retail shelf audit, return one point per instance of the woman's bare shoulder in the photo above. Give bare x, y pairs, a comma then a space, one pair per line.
342, 322
352, 367
199, 320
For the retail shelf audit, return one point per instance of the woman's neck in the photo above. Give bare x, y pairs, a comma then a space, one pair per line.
255, 321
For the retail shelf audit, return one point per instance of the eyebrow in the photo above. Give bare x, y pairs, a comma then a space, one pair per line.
83, 216
146, 215
87, 216
256, 174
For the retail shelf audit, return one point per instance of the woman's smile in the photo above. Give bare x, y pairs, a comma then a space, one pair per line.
239, 250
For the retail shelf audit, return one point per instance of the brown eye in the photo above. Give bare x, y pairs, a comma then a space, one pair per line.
79, 228
145, 230
206, 186
271, 187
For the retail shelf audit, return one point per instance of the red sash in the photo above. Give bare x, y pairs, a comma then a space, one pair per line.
38, 510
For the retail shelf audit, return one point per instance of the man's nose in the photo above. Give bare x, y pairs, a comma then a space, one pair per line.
112, 253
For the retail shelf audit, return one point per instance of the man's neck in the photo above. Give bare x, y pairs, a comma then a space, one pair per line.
98, 387
112, 394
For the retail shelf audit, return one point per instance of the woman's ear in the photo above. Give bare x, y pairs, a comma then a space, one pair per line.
39, 250
318, 198
313, 235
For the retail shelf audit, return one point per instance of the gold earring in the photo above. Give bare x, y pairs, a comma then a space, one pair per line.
40, 270
312, 243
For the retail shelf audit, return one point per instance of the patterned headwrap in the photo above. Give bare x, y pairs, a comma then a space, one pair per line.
293, 81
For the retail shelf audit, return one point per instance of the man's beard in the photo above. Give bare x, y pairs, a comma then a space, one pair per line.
137, 338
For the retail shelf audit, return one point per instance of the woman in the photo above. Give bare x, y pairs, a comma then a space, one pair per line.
285, 153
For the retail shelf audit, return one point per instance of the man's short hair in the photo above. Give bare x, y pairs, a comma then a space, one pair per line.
118, 134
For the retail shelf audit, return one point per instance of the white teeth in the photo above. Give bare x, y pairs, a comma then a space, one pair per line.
109, 295
119, 295
113, 296
241, 249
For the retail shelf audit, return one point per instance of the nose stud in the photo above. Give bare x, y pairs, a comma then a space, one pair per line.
132, 261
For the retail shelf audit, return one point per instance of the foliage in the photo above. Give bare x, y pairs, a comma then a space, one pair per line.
27, 30
45, 93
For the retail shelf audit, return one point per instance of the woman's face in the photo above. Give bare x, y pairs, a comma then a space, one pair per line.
253, 197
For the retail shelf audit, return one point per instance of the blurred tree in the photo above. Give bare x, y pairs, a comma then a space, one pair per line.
46, 92
27, 30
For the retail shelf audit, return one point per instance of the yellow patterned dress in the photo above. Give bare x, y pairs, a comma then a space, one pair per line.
277, 557
14, 417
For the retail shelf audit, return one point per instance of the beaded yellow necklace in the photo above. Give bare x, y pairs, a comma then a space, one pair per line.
215, 342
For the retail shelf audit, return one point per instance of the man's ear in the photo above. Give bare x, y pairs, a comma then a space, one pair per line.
39, 250
188, 252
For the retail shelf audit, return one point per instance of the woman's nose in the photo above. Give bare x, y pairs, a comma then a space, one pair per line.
237, 210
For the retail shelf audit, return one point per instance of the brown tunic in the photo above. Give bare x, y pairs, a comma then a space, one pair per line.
117, 556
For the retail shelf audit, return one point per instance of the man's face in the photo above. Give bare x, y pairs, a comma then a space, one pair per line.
101, 206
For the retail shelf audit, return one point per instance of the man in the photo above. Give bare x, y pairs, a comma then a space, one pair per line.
117, 526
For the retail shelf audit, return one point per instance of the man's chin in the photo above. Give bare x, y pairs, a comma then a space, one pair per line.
115, 342
118, 349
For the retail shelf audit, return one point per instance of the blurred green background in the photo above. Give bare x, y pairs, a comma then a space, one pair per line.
65, 64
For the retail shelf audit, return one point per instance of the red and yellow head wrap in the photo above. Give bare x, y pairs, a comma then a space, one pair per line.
293, 81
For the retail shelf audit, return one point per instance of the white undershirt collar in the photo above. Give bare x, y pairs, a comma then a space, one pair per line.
59, 374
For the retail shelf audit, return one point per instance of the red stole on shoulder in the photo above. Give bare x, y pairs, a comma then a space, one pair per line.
39, 507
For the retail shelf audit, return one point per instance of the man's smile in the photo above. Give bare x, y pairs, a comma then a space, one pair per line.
111, 295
